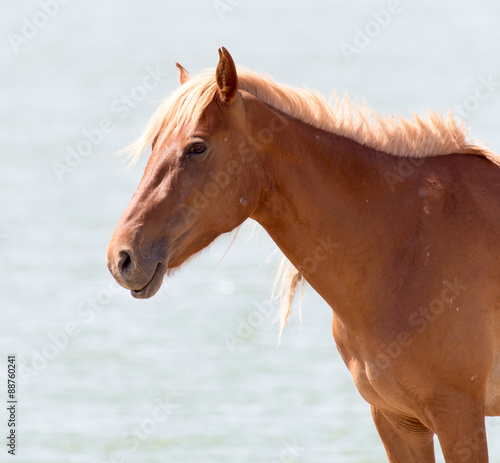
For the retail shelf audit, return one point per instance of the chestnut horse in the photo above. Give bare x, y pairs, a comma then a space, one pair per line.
395, 223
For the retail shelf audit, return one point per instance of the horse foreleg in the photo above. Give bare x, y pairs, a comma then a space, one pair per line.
404, 442
461, 430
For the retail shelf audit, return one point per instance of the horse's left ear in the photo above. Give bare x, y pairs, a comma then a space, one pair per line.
226, 77
183, 74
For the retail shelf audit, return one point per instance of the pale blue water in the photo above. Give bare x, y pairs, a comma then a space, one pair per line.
106, 378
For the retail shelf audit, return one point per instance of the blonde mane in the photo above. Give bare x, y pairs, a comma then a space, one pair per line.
431, 135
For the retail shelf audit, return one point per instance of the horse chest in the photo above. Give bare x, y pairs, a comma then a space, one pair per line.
374, 380
350, 348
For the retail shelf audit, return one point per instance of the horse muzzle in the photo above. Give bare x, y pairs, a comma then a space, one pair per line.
143, 276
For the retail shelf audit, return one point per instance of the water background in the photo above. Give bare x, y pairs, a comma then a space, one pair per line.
181, 378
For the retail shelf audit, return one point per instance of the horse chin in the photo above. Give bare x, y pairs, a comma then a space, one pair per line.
153, 285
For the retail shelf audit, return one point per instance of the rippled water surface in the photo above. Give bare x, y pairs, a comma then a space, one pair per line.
194, 374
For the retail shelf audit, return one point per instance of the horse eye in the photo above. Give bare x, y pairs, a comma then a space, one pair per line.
196, 149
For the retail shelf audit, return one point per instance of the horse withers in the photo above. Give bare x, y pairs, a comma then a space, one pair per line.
395, 223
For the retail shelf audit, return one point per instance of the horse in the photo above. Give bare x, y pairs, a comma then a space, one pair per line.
394, 222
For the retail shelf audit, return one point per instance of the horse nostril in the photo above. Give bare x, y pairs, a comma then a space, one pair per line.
124, 262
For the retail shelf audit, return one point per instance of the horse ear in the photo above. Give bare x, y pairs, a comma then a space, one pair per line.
226, 77
183, 74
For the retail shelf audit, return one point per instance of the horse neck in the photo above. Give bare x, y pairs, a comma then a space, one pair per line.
322, 205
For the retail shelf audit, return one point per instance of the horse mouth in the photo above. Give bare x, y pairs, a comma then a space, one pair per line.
152, 287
